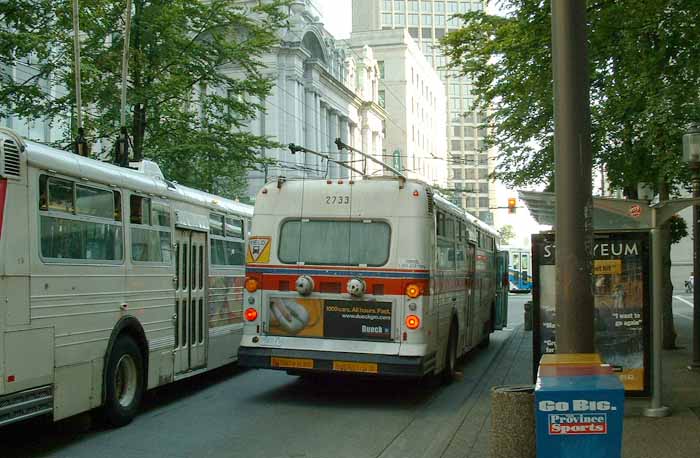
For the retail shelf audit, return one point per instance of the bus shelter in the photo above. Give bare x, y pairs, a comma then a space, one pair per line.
621, 284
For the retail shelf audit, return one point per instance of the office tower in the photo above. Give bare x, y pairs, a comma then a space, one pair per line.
427, 22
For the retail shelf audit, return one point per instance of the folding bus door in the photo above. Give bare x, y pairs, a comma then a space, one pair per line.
191, 331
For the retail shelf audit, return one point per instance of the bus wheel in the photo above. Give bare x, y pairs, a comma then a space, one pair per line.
448, 374
124, 382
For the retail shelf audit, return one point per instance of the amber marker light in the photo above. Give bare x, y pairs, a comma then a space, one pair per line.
412, 291
251, 285
251, 314
412, 322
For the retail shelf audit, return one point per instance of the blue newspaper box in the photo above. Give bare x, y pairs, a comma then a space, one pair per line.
579, 410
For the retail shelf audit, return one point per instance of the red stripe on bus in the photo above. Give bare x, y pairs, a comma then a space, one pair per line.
337, 284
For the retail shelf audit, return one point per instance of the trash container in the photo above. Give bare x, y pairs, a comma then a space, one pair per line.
528, 316
513, 421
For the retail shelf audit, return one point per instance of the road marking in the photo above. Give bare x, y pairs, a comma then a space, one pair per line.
689, 304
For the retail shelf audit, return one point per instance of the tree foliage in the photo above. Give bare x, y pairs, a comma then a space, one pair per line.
196, 77
644, 90
506, 233
644, 76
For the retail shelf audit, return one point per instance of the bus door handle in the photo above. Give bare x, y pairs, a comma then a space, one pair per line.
174, 317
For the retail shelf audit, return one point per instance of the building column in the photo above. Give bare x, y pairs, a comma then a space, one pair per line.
309, 127
332, 149
318, 130
344, 137
323, 133
367, 166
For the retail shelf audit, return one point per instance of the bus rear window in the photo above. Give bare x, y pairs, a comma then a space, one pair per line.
344, 243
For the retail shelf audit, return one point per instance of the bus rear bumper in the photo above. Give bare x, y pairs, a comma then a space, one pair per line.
335, 362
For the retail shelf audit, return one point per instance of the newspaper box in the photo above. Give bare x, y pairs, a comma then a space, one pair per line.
579, 409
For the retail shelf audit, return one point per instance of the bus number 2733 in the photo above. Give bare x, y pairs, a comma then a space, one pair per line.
337, 200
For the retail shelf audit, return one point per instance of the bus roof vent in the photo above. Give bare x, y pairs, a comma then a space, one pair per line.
429, 193
148, 168
10, 158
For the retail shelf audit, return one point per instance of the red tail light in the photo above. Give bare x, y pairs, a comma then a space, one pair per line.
251, 314
412, 322
3, 194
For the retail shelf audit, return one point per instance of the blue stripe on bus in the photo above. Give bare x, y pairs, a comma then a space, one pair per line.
340, 273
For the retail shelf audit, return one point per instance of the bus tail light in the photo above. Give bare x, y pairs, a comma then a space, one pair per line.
412, 290
251, 284
251, 314
412, 322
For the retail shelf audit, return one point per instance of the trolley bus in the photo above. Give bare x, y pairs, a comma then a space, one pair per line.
376, 276
520, 269
112, 281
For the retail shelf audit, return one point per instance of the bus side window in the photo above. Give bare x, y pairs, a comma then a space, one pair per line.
60, 195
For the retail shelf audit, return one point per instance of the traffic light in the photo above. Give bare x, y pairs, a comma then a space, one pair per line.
511, 205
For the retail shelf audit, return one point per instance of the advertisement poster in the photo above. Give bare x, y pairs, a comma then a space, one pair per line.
339, 319
620, 286
225, 300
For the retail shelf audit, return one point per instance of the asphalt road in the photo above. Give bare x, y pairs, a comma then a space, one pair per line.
257, 413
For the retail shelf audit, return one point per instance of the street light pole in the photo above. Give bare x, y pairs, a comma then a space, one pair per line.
572, 150
691, 154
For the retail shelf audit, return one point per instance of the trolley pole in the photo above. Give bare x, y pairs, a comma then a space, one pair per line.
572, 151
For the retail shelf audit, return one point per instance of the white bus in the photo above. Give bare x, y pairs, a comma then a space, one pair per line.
519, 269
112, 281
376, 276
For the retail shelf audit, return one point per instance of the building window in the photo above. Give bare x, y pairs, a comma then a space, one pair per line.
469, 131
439, 7
413, 5
456, 174
412, 19
440, 20
457, 131
456, 145
451, 7
386, 18
483, 159
427, 20
470, 174
382, 101
400, 18
483, 187
387, 5
400, 6
471, 202
484, 202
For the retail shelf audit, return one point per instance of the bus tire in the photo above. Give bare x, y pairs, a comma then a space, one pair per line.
450, 370
124, 382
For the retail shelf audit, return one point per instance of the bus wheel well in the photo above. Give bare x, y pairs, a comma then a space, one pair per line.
131, 327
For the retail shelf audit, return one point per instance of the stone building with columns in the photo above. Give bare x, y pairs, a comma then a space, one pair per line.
321, 92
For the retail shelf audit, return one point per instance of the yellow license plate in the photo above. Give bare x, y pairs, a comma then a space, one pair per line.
293, 363
348, 366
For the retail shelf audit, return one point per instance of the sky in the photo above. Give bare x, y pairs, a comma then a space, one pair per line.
337, 18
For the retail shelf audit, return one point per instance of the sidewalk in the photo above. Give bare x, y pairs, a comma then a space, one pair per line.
676, 436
